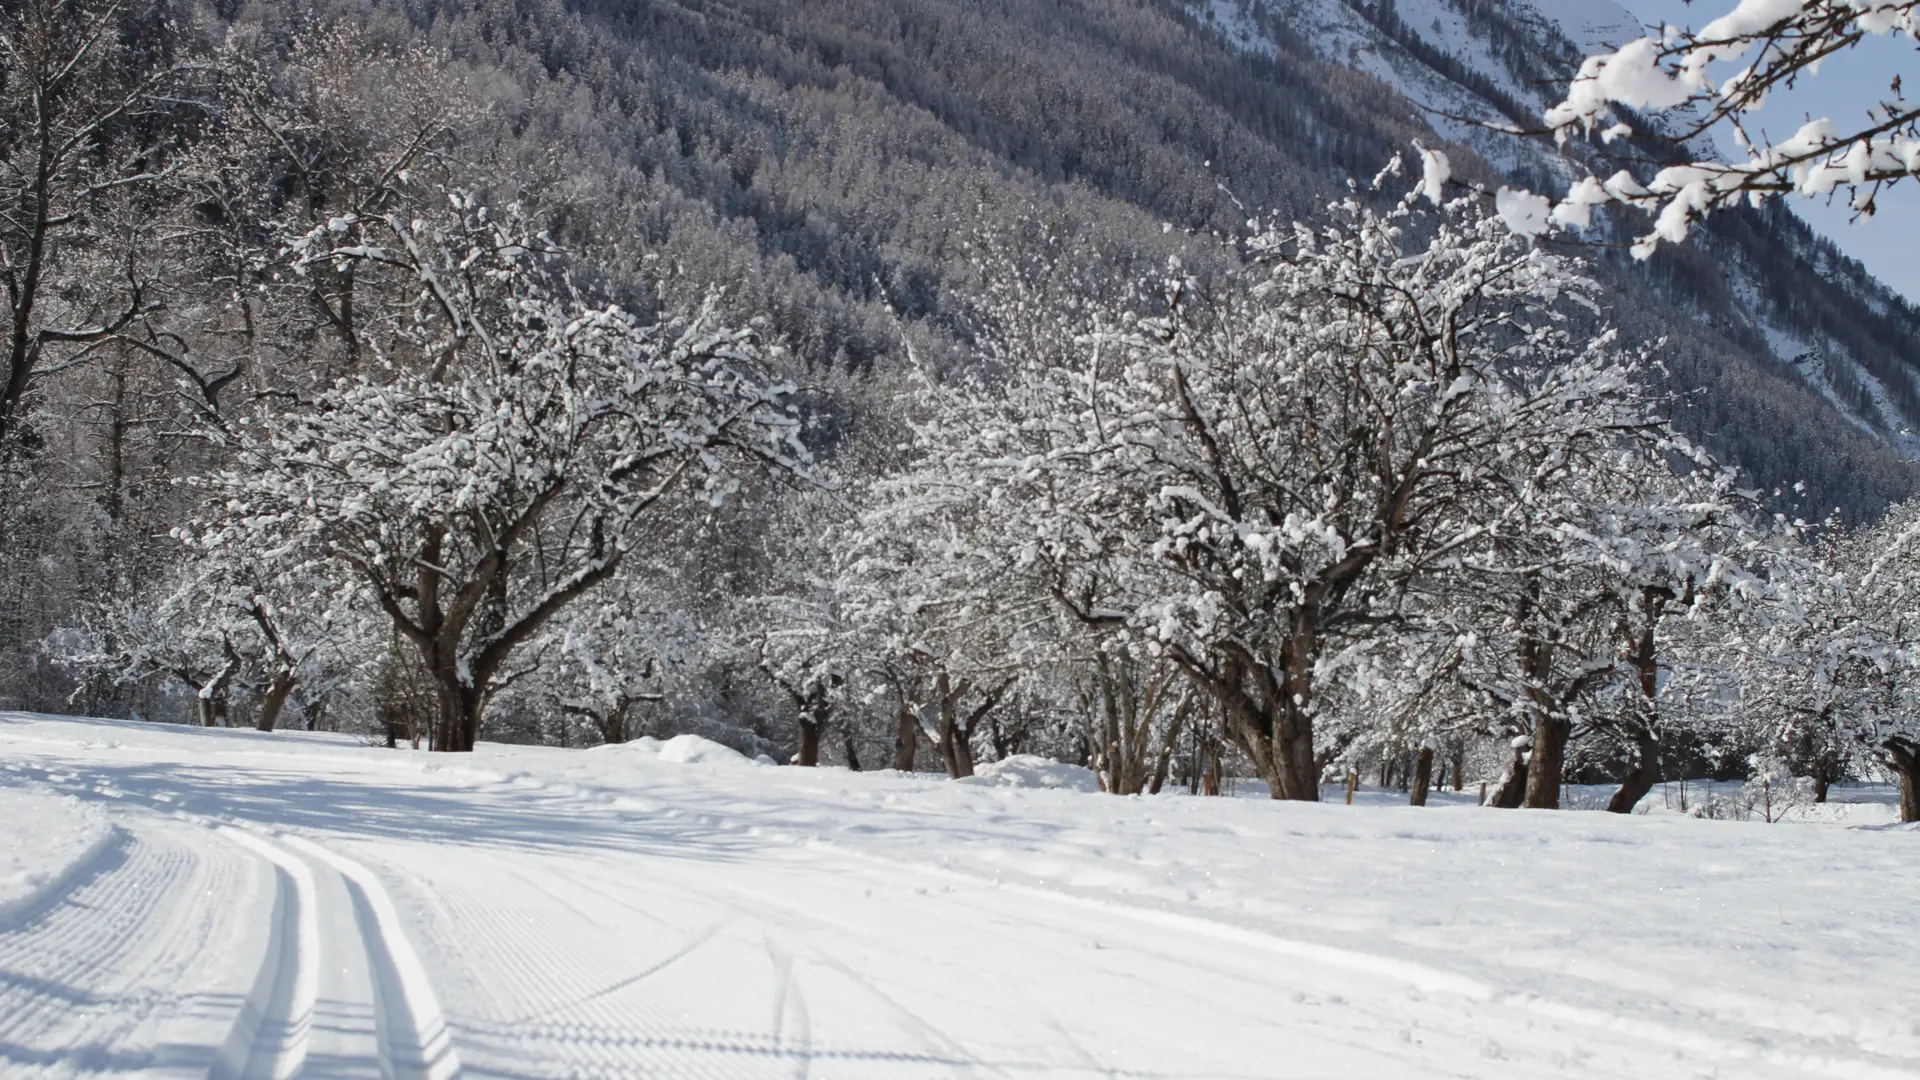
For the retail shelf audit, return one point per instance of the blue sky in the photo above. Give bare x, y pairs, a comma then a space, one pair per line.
1842, 91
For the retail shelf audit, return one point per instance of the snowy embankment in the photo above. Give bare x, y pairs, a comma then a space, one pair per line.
49, 841
273, 905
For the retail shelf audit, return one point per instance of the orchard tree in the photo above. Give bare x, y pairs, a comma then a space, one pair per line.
1836, 678
1566, 610
607, 655
185, 634
807, 663
930, 585
1253, 480
1135, 707
1805, 678
474, 501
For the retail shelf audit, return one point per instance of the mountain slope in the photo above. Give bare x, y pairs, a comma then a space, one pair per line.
839, 158
1782, 301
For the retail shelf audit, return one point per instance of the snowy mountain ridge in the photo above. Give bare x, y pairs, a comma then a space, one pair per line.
1469, 67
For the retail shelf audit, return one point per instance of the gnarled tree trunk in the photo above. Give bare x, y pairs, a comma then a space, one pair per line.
1422, 777
274, 700
1640, 778
1904, 756
1513, 787
906, 738
457, 727
1547, 764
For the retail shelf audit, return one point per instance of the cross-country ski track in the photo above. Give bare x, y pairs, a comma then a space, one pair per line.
235, 905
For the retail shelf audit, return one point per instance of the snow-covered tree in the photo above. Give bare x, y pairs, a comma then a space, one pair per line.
1833, 685
226, 622
128, 639
80, 108
1563, 614
1716, 78
1253, 480
1803, 679
473, 501
930, 586
1135, 707
603, 658
806, 661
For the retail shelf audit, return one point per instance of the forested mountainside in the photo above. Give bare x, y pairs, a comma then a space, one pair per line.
835, 159
845, 152
841, 154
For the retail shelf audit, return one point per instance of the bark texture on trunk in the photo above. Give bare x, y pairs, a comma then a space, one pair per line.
1513, 787
809, 755
906, 738
457, 727
1640, 778
274, 701
1422, 777
1547, 763
1904, 756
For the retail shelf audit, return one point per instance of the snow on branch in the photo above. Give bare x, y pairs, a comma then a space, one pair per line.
1717, 78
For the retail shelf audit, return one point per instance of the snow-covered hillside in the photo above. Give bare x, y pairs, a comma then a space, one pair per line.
227, 903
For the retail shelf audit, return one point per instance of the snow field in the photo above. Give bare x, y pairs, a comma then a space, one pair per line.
303, 905
50, 839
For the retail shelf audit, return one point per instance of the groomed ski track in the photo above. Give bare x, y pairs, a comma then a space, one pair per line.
271, 907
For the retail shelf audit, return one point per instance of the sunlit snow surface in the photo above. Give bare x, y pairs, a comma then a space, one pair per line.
288, 904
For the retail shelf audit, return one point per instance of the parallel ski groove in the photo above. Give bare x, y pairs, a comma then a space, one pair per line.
414, 1043
269, 1038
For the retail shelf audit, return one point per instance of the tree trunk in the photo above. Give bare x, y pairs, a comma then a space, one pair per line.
1270, 718
210, 710
809, 755
1422, 777
1640, 778
959, 752
1513, 787
1904, 756
274, 700
906, 738
457, 727
1160, 767
956, 739
1459, 767
1547, 763
853, 755
1646, 762
1827, 769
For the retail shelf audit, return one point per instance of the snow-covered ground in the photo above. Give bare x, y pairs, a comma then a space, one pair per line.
220, 903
